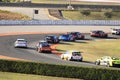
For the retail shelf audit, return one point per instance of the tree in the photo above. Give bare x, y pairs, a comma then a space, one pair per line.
108, 14
85, 12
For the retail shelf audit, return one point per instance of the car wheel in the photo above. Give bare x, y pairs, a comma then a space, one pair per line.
15, 46
36, 49
39, 50
108, 65
117, 33
106, 36
73, 40
69, 58
113, 33
80, 60
62, 58
97, 63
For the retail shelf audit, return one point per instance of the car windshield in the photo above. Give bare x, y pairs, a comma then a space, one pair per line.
49, 37
76, 54
21, 41
116, 29
97, 32
74, 33
94, 31
44, 44
101, 32
65, 35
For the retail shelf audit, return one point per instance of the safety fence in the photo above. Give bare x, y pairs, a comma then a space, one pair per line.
76, 6
61, 22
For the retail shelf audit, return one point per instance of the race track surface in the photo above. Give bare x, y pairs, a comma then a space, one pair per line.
30, 54
7, 49
7, 42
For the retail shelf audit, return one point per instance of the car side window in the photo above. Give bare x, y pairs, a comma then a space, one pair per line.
66, 52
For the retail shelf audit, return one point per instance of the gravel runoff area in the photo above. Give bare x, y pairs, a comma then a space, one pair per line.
42, 12
54, 28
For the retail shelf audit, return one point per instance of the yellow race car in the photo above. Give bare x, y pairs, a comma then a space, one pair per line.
108, 61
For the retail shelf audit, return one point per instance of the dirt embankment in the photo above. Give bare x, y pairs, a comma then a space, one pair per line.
7, 15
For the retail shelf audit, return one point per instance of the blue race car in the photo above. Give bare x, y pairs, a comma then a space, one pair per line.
66, 37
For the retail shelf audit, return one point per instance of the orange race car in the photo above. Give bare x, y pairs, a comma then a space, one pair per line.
43, 46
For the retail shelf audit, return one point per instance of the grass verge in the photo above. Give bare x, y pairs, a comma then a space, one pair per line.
18, 76
93, 50
76, 15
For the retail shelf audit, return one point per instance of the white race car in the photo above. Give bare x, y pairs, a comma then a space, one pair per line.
20, 43
115, 31
72, 55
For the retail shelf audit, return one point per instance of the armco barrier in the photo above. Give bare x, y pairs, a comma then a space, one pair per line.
27, 4
61, 22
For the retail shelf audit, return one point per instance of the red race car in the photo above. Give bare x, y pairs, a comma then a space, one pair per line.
77, 35
43, 46
98, 33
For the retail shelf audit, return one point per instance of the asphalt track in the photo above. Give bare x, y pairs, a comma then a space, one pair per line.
8, 35
7, 49
30, 54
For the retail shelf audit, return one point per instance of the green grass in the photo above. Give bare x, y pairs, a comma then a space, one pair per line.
73, 2
76, 15
93, 50
18, 76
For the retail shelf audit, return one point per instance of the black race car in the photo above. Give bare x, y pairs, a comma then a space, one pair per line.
52, 39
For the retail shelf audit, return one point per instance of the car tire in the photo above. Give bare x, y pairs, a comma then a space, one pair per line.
108, 65
113, 33
97, 63
117, 33
80, 60
62, 58
69, 59
15, 46
39, 50
36, 49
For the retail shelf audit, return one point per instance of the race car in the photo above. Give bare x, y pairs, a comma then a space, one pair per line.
98, 33
66, 37
72, 55
52, 39
21, 43
108, 61
77, 35
115, 31
43, 46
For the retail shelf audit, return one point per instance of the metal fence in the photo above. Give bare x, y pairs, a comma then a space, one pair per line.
61, 22
76, 6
